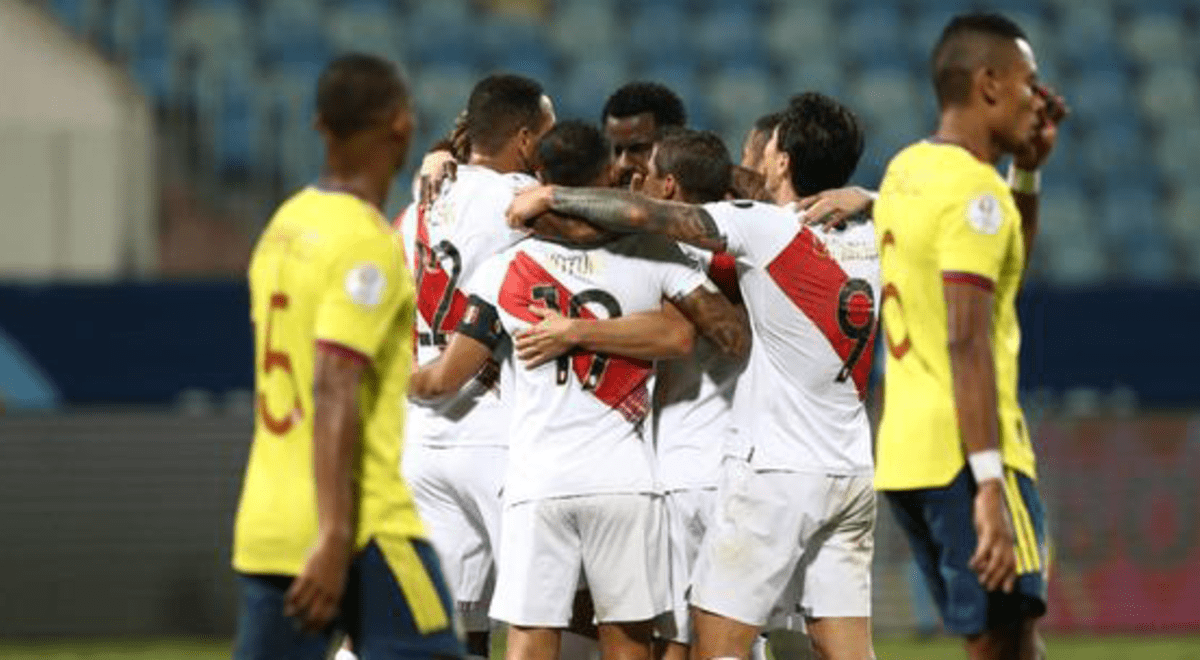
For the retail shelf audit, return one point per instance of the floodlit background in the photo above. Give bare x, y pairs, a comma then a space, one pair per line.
144, 143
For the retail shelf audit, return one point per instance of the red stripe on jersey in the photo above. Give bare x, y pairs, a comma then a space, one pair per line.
622, 384
959, 277
722, 270
841, 307
439, 301
398, 223
343, 351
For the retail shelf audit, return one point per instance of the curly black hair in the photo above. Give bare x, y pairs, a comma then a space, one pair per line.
636, 98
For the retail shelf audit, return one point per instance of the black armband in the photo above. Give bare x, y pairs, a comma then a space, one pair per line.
481, 323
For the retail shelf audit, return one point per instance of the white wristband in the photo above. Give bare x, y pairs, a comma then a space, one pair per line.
1024, 181
986, 465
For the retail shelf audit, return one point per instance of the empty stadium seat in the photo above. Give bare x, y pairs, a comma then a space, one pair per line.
1182, 216
1081, 260
441, 91
1170, 92
658, 30
366, 27
1177, 151
584, 28
1063, 215
1146, 258
874, 34
136, 26
83, 17
796, 32
292, 30
883, 94
819, 73
210, 27
1154, 37
587, 85
737, 96
726, 34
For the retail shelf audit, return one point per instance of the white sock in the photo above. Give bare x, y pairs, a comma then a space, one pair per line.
345, 654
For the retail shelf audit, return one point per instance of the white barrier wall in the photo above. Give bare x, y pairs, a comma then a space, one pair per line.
77, 188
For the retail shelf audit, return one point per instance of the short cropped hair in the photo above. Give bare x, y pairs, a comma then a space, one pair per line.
698, 160
968, 42
573, 153
823, 140
636, 98
499, 107
357, 91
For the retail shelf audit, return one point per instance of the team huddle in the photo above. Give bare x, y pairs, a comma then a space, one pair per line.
636, 376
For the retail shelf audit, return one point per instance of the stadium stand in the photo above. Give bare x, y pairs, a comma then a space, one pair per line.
1130, 69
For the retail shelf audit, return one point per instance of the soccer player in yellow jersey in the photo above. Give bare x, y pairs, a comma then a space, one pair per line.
327, 539
953, 453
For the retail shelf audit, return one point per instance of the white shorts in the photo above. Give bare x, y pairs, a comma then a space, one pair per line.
619, 541
787, 537
689, 513
458, 494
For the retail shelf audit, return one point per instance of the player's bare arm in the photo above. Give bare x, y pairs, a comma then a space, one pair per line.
314, 595
972, 366
463, 358
724, 324
570, 231
620, 211
831, 208
659, 335
1026, 163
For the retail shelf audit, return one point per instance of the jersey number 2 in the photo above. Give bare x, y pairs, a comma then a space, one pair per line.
437, 282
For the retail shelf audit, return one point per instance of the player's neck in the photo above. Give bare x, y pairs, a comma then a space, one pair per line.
784, 193
502, 162
366, 176
958, 128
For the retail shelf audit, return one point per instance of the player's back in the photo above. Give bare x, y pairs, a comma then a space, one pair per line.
446, 245
693, 402
326, 270
811, 296
943, 216
577, 426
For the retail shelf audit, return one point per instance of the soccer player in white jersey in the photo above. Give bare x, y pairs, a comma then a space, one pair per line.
457, 449
582, 493
798, 507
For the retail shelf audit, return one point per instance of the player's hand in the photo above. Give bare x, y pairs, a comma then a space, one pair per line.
995, 558
317, 591
529, 204
636, 182
1035, 153
550, 338
829, 209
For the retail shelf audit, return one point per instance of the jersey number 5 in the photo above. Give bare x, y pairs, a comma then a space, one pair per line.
271, 360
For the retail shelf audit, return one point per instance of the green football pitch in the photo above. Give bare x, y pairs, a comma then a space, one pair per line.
1059, 648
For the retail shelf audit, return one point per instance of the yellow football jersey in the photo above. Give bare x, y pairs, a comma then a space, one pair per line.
328, 269
943, 215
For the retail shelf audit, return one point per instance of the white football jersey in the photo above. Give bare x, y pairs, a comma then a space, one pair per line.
694, 403
578, 422
445, 246
812, 297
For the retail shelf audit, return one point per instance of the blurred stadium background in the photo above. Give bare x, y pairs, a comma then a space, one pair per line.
144, 143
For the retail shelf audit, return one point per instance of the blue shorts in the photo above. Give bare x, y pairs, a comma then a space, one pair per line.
374, 612
939, 523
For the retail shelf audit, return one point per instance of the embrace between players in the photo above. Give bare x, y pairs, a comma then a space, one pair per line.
641, 407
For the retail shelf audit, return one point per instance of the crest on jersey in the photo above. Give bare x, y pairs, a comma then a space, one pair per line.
984, 214
365, 284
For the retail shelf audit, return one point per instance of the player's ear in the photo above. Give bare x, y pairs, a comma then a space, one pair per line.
670, 186
987, 80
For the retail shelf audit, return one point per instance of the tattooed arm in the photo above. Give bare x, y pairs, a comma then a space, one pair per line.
723, 323
620, 211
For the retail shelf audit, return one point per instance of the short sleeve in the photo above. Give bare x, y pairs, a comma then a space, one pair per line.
753, 231
364, 296
680, 273
975, 233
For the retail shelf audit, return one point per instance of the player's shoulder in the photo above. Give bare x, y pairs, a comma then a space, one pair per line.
746, 208
479, 179
648, 249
